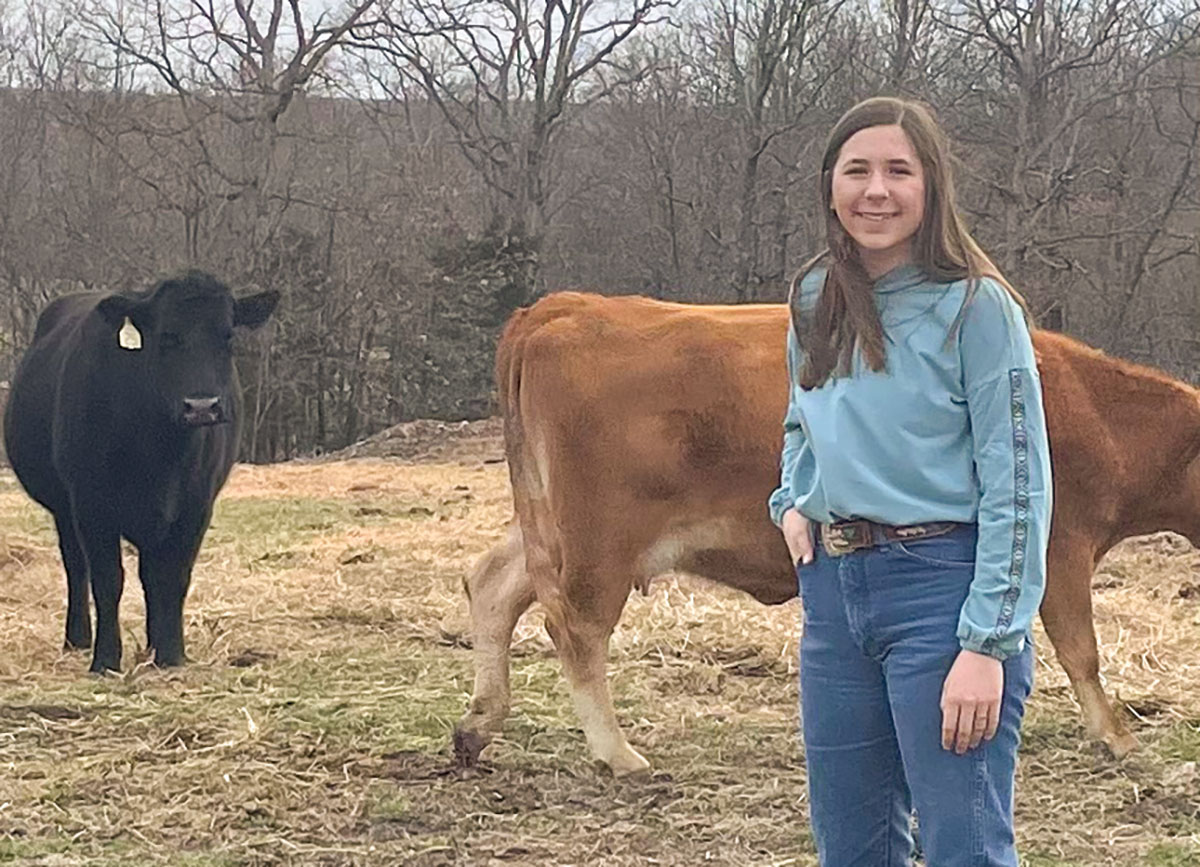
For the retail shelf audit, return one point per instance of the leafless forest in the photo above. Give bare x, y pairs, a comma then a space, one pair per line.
407, 172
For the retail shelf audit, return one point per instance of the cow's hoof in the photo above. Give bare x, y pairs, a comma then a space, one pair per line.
169, 660
627, 763
100, 666
1121, 744
467, 747
73, 644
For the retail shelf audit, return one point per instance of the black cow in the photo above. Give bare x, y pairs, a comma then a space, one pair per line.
123, 420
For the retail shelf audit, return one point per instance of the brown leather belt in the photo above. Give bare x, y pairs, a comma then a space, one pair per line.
846, 536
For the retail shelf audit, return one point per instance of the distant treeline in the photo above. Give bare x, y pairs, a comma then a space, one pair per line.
407, 174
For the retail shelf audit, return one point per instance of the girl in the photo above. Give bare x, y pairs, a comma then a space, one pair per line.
915, 500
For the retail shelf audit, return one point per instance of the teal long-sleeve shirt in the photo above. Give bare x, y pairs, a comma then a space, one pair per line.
950, 431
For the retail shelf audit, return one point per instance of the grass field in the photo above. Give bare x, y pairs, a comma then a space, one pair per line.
326, 630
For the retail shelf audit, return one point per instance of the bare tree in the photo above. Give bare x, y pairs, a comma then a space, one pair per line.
767, 66
506, 76
41, 60
233, 62
908, 21
1052, 80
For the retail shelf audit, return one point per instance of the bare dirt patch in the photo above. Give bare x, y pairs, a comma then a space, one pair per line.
427, 441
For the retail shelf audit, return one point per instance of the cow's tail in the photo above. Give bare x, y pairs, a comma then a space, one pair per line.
508, 391
529, 470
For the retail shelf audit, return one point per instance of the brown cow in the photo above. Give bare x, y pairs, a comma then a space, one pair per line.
644, 437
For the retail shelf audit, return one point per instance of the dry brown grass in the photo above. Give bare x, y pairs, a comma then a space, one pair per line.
312, 724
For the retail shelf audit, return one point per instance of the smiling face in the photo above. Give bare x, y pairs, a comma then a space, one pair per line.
878, 194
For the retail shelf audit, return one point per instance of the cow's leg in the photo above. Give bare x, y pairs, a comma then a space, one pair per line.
79, 614
499, 590
100, 543
150, 592
1067, 615
581, 629
166, 574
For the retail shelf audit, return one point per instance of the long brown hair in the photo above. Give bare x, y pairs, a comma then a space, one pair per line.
845, 317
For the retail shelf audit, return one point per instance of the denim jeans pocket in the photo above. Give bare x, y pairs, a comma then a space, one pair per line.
951, 550
805, 576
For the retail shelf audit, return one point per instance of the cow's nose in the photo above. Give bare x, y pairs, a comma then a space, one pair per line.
202, 410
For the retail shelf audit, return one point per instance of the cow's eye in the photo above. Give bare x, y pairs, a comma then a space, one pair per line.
170, 340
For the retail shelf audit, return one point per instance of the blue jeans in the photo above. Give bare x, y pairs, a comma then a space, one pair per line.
878, 642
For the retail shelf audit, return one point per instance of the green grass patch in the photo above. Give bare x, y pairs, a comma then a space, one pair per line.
1173, 855
1182, 743
390, 806
69, 851
207, 859
1042, 732
266, 522
14, 848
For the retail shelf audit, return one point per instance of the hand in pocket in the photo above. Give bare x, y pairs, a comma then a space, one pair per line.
797, 533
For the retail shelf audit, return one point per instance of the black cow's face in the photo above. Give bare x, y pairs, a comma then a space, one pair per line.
185, 328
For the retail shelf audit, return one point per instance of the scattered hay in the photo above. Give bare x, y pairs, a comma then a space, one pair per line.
327, 635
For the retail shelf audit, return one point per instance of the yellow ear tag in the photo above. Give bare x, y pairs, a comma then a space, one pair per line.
129, 337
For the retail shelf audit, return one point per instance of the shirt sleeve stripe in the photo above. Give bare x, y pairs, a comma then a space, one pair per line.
1016, 382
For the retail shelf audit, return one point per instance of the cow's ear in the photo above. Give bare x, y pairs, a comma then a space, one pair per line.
253, 310
115, 308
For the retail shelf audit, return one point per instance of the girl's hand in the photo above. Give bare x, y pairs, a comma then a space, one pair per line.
971, 701
797, 533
